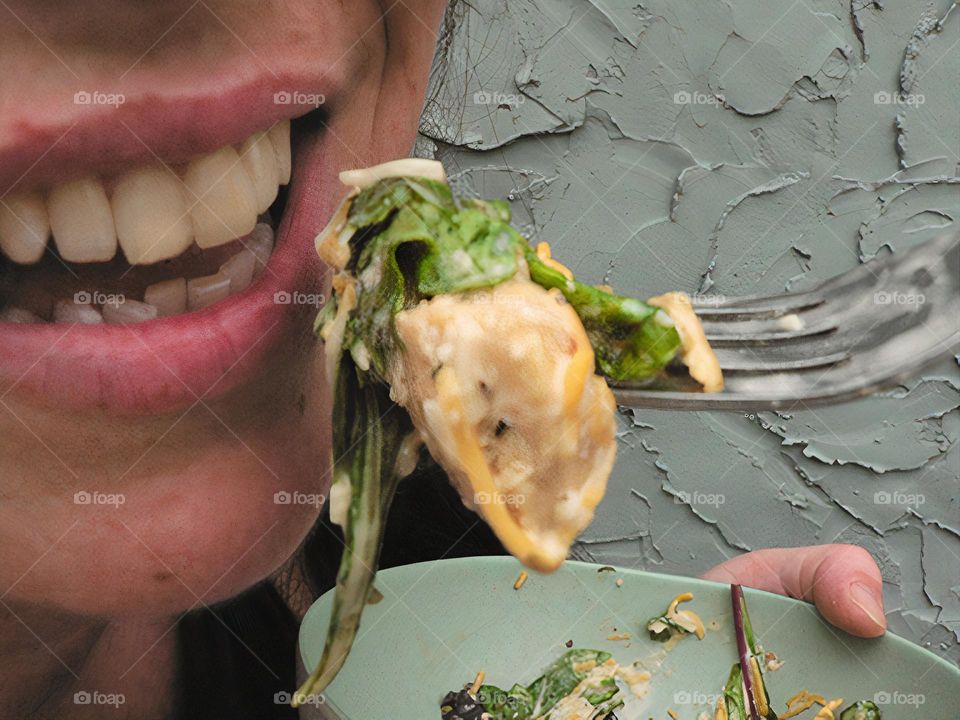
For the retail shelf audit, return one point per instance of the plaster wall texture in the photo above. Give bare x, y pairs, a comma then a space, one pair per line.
735, 147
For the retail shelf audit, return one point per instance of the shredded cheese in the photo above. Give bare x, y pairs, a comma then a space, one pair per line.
543, 252
521, 579
801, 702
687, 619
721, 713
826, 712
758, 693
477, 682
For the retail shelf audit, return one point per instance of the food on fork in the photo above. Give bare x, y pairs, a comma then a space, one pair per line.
491, 349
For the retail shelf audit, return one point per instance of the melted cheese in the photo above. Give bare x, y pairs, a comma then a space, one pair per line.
697, 353
332, 249
345, 288
500, 383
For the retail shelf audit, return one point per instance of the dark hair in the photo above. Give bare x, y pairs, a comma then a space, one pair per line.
234, 657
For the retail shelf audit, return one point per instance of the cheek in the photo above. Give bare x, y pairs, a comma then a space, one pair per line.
215, 505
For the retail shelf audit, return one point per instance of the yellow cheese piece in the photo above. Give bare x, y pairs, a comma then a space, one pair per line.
543, 252
500, 383
331, 250
697, 353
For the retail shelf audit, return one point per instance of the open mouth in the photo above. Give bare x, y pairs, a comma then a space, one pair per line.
155, 241
164, 283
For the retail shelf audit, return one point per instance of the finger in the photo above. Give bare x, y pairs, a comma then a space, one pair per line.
842, 581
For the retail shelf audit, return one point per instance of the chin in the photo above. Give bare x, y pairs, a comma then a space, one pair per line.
158, 285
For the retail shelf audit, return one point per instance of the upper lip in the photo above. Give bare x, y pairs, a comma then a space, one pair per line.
69, 140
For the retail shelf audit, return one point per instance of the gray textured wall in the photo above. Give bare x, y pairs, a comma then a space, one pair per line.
739, 147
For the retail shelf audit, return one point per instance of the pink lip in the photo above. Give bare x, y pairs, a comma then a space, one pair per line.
170, 364
56, 143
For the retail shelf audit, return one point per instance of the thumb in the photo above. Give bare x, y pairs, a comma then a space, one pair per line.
842, 581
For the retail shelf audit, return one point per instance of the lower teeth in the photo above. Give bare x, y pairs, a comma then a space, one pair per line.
161, 299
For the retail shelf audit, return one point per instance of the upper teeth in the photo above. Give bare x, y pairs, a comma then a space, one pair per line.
152, 213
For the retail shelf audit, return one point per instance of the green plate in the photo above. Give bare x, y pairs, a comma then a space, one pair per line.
441, 622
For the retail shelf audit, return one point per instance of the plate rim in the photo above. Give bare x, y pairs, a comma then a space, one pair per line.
310, 617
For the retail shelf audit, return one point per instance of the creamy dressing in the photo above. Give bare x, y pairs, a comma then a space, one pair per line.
405, 167
791, 322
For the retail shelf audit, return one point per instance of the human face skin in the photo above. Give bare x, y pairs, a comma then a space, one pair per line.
194, 421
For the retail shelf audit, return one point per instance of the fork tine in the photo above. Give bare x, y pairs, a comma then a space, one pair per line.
757, 307
848, 343
778, 359
718, 307
855, 330
764, 331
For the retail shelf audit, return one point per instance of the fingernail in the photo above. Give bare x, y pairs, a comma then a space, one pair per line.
866, 599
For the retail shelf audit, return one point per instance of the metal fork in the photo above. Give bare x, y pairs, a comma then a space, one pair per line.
869, 329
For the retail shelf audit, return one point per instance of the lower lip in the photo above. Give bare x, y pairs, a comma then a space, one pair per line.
174, 363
